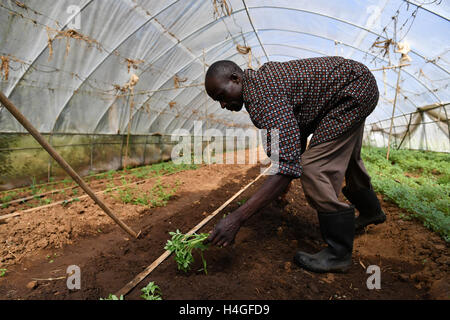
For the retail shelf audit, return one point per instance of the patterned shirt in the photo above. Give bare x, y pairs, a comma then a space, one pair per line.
324, 96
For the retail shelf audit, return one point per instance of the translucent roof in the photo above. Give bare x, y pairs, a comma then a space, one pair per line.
86, 73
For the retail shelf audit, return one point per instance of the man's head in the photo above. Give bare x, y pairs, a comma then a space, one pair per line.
223, 83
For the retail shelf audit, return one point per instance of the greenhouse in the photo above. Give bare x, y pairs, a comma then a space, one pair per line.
101, 98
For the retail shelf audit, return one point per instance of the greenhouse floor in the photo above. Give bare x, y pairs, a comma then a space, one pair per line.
37, 248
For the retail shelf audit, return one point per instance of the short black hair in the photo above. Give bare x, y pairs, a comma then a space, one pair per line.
222, 68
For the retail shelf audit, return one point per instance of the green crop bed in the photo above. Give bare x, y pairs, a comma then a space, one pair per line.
418, 181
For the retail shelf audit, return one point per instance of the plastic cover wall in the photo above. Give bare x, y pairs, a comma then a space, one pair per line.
79, 79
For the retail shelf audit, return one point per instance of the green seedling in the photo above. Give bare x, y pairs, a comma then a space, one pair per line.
151, 292
33, 187
109, 188
183, 245
49, 257
241, 202
45, 201
67, 202
158, 196
112, 297
3, 272
7, 198
110, 174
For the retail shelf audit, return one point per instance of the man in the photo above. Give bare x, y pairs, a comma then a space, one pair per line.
328, 97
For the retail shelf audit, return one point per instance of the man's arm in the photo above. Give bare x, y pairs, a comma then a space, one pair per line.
275, 114
225, 231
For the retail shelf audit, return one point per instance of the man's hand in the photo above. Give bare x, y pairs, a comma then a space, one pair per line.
225, 231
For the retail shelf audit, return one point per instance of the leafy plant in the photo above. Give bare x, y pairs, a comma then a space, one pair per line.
3, 272
8, 197
67, 202
158, 196
151, 292
183, 245
109, 188
44, 201
110, 174
112, 297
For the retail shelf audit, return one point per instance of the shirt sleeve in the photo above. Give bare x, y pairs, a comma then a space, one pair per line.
277, 116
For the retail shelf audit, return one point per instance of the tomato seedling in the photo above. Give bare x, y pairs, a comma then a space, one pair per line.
151, 292
183, 245
112, 297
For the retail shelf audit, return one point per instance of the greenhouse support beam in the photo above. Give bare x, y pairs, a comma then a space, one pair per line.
397, 89
254, 29
390, 67
60, 160
406, 133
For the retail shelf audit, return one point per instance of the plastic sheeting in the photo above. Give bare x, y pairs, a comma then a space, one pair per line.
68, 74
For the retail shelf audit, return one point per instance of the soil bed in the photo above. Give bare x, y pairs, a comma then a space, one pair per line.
414, 262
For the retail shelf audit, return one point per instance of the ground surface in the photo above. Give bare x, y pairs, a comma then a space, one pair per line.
41, 245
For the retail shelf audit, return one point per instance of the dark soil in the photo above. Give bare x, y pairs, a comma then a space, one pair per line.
414, 261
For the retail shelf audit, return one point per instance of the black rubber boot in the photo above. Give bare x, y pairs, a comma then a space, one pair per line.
338, 231
368, 205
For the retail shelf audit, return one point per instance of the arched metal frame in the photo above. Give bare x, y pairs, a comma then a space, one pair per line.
314, 35
247, 10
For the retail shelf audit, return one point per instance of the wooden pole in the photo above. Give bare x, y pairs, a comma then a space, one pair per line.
397, 89
32, 130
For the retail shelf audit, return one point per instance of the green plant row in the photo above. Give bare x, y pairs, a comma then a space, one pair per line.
418, 181
158, 196
144, 172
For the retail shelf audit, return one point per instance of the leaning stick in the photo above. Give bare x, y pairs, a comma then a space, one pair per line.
32, 130
141, 276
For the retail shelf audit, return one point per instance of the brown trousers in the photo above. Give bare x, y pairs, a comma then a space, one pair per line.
325, 165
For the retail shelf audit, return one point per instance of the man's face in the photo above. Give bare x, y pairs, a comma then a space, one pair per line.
227, 91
